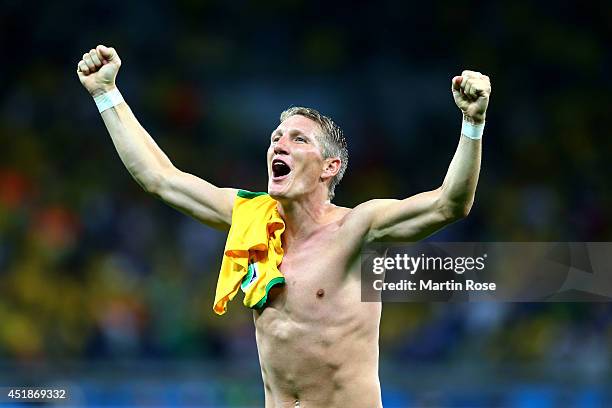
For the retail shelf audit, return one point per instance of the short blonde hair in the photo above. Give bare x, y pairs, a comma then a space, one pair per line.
332, 140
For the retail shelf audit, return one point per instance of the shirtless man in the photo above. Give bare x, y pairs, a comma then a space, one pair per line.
317, 342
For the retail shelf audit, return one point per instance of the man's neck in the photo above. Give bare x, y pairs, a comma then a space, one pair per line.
304, 216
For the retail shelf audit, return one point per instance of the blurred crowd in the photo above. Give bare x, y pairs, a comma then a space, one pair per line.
91, 267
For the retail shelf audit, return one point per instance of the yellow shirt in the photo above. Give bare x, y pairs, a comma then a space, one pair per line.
252, 253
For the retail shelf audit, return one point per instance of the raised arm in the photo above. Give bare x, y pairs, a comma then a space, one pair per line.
421, 215
145, 161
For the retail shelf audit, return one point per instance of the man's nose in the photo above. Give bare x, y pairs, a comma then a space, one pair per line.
280, 146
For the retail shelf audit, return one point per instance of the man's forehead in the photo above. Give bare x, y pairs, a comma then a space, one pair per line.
298, 122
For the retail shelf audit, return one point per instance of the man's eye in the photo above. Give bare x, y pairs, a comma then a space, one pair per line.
300, 139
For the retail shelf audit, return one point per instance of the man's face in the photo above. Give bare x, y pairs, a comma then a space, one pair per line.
295, 163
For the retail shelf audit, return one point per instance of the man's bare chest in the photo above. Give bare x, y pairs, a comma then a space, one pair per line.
321, 280
315, 270
322, 257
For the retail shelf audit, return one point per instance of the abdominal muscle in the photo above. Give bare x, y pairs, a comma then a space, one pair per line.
319, 350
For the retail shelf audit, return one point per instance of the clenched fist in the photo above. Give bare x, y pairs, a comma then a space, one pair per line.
98, 69
471, 92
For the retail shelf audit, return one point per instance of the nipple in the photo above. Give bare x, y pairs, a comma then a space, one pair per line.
320, 293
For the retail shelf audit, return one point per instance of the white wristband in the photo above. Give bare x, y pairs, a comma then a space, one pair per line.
108, 100
471, 131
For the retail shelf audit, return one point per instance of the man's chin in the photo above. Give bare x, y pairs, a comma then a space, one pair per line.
277, 195
277, 192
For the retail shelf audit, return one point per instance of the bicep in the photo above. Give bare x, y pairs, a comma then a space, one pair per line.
410, 219
197, 198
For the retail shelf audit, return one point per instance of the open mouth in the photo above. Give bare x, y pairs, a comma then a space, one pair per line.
280, 168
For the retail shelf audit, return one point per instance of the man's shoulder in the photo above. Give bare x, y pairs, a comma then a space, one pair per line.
362, 214
366, 208
356, 215
353, 224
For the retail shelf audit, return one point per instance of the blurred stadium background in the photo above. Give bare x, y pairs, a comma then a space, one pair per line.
108, 292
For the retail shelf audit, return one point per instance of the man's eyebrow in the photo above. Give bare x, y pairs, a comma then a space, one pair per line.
296, 132
292, 132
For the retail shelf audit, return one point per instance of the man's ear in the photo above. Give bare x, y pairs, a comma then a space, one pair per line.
331, 167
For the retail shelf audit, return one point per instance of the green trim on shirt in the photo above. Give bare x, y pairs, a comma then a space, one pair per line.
276, 281
248, 277
249, 194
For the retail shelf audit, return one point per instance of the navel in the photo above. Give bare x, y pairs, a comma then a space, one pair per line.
320, 293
